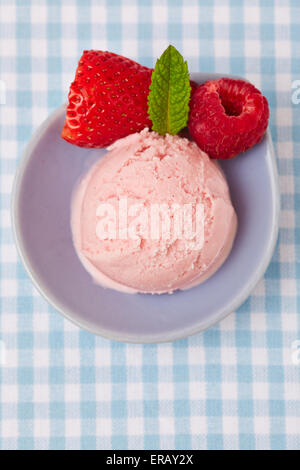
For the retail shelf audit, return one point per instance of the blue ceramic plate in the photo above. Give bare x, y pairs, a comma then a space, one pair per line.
48, 171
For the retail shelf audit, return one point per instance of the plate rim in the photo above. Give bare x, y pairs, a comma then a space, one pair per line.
218, 316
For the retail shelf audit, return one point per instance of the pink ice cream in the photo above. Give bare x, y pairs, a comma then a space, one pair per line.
147, 170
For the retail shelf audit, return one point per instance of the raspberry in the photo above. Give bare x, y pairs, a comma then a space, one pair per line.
194, 87
227, 117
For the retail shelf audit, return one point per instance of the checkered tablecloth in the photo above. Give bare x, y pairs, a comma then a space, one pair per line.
236, 386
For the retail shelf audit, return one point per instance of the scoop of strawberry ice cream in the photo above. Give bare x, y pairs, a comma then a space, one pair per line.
153, 215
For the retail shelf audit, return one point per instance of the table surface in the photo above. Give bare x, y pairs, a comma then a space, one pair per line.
235, 386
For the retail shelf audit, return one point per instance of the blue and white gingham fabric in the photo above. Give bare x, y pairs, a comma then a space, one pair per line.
236, 386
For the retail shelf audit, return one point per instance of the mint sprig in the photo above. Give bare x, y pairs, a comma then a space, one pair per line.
170, 90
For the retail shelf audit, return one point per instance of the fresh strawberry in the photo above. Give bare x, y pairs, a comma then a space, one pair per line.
107, 100
227, 117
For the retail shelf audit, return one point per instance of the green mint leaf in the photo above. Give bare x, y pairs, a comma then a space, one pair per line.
170, 90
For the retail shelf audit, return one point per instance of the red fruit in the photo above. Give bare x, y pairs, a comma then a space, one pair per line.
227, 117
107, 100
194, 87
